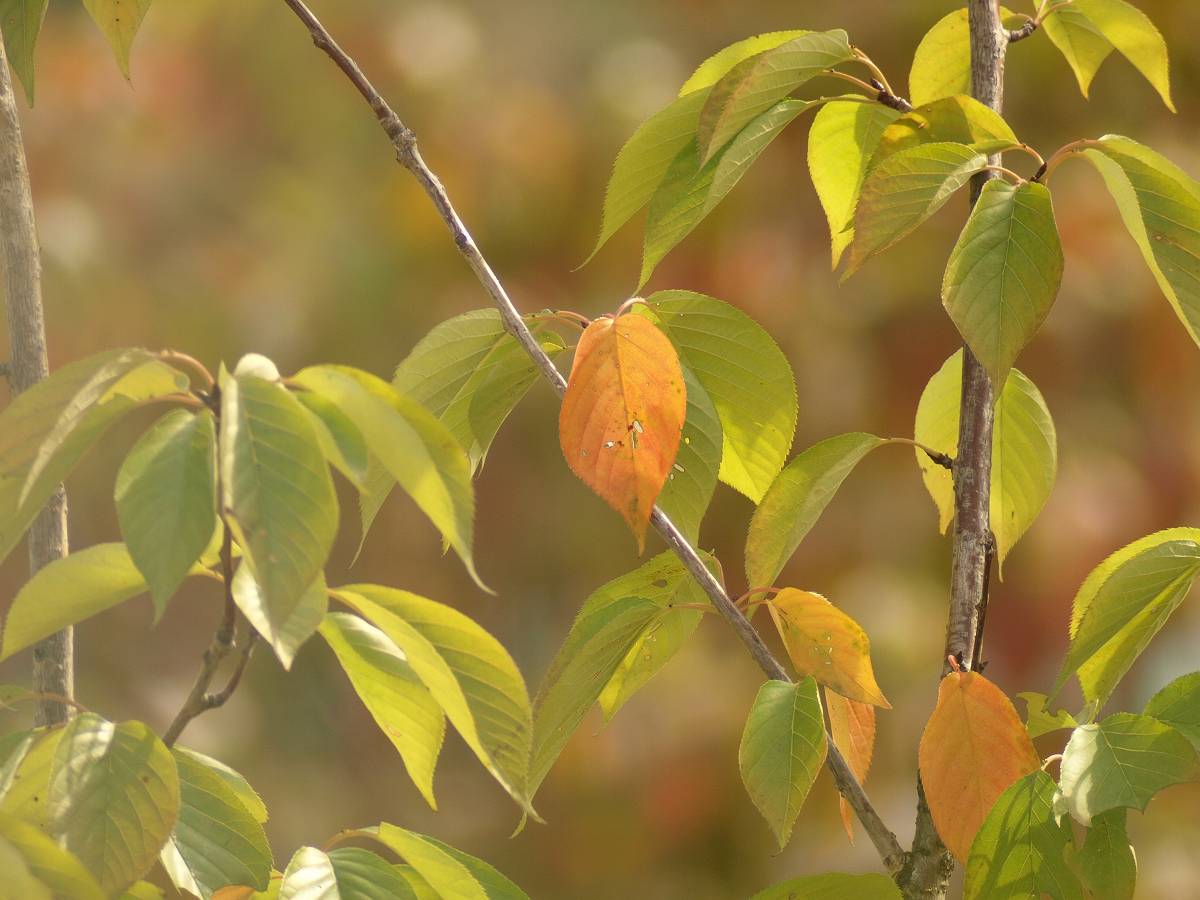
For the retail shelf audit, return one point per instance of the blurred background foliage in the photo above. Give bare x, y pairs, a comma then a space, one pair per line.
239, 197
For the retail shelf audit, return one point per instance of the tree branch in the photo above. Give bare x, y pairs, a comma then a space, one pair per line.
53, 657
405, 144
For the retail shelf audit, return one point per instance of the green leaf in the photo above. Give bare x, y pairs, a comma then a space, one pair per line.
941, 66
746, 376
1078, 39
834, 886
413, 446
341, 441
782, 750
113, 797
22, 22
279, 501
166, 499
119, 20
959, 119
796, 499
1038, 721
399, 703
1133, 34
756, 84
362, 874
285, 626
691, 190
217, 840
1123, 603
142, 890
714, 68
1123, 760
468, 672
903, 191
1004, 273
1107, 860
19, 883
1178, 705
1019, 850
55, 870
1160, 206
26, 777
693, 479
1024, 451
46, 429
443, 866
841, 142
234, 780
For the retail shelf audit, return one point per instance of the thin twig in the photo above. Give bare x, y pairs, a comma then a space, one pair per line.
189, 362
405, 144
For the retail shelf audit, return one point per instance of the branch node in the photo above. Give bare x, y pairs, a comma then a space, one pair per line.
1019, 34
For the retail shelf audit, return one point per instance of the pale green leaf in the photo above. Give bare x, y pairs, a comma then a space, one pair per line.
59, 872
234, 780
959, 119
166, 499
693, 477
1004, 273
399, 703
341, 441
1078, 39
834, 886
1038, 721
756, 84
1019, 850
142, 890
1123, 603
841, 142
21, 21
1133, 34
1106, 859
1123, 760
903, 191
468, 672
747, 378
19, 883
119, 20
279, 501
782, 751
796, 499
1178, 705
217, 840
285, 626
26, 777
309, 876
1024, 451
714, 68
363, 875
941, 65
434, 861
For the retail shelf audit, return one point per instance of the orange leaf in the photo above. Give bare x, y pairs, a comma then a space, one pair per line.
973, 748
852, 725
827, 644
623, 414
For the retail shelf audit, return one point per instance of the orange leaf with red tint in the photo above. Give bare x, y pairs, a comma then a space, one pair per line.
852, 725
973, 748
622, 415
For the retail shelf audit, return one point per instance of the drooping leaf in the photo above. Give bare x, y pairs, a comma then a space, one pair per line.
468, 672
1131, 32
119, 20
1024, 451
825, 643
360, 873
834, 886
1160, 206
166, 499
1038, 721
278, 499
234, 780
903, 191
447, 869
21, 21
841, 142
712, 69
1019, 850
399, 703
1178, 705
693, 477
622, 416
1106, 859
973, 748
782, 751
941, 66
959, 119
1123, 603
796, 499
285, 626
852, 727
26, 776
1123, 760
654, 648
417, 450
1004, 273
341, 441
217, 840
756, 84
747, 378
48, 867
1080, 42
112, 798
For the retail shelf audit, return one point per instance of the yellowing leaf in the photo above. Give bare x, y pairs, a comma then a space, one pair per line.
973, 748
827, 644
1133, 34
119, 20
623, 414
852, 727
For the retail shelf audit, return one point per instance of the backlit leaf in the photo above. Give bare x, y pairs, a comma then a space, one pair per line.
1123, 760
796, 499
1134, 36
834, 886
693, 477
852, 727
362, 874
1024, 451
622, 416
447, 868
1038, 721
21, 21
341, 441
285, 626
712, 69
1178, 705
973, 748
959, 119
782, 751
941, 66
1078, 39
1107, 860
47, 865
119, 20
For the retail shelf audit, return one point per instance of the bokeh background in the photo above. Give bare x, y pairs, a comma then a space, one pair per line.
238, 196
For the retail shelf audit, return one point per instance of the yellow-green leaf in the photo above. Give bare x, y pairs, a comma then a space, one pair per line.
21, 21
283, 625
1079, 40
1133, 34
120, 21
941, 65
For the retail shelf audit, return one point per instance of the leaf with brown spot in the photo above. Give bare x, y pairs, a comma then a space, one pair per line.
852, 726
973, 748
623, 414
827, 644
